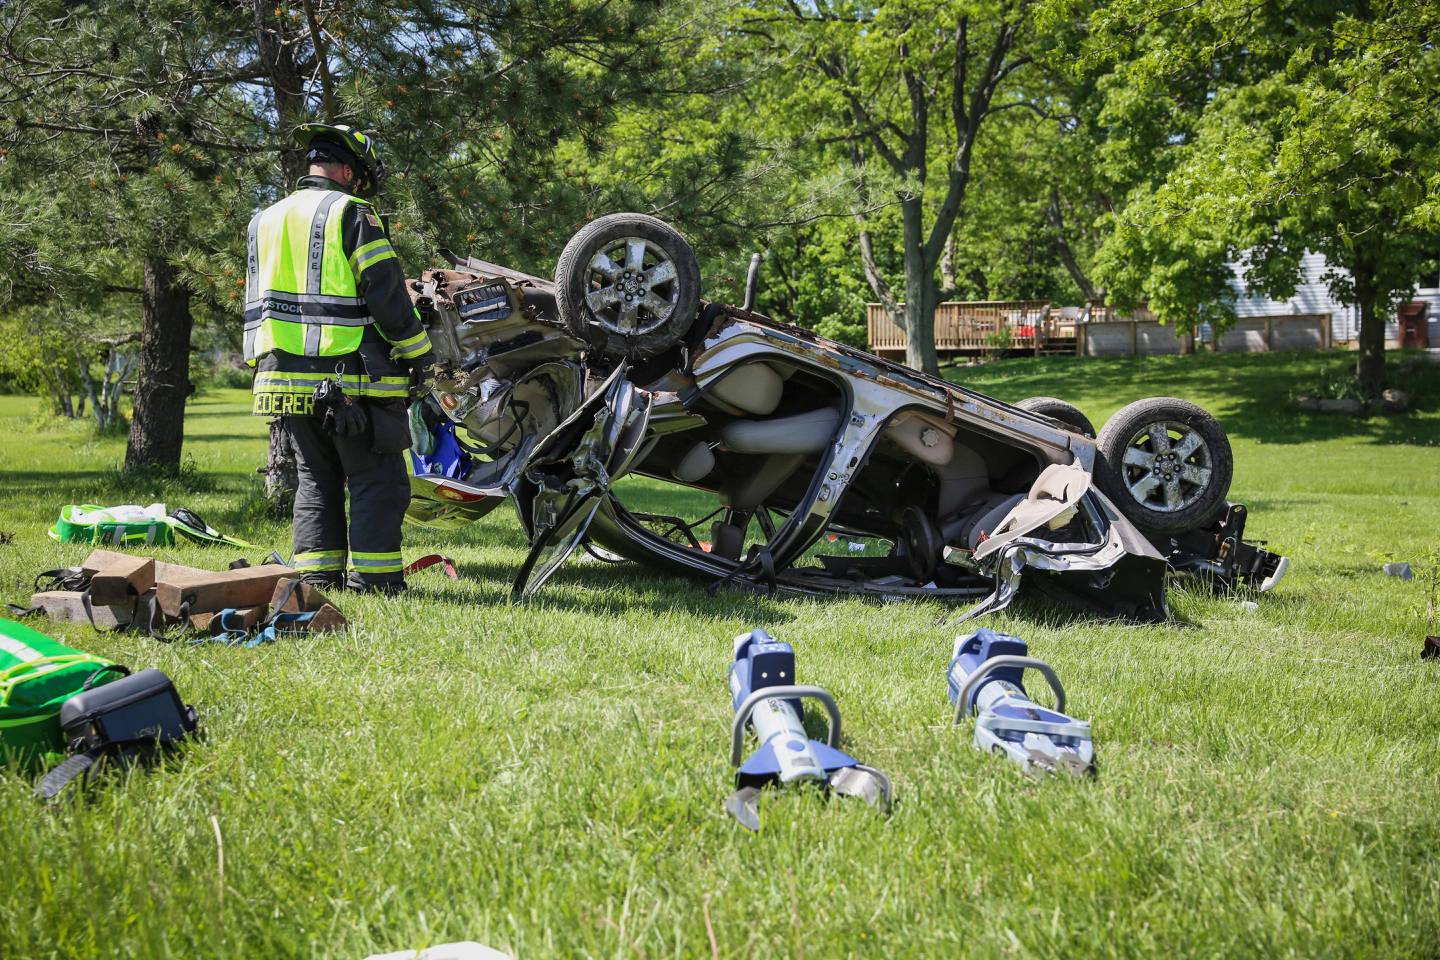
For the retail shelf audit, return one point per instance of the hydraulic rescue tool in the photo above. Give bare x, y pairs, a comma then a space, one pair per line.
984, 679
764, 695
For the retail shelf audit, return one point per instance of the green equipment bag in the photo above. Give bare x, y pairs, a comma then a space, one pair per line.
132, 525
120, 526
37, 675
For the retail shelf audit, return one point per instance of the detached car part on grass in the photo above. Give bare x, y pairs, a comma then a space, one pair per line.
549, 392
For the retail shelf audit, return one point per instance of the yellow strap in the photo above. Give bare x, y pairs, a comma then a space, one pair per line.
60, 660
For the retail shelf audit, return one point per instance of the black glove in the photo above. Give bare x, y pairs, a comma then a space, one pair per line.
340, 414
350, 418
422, 371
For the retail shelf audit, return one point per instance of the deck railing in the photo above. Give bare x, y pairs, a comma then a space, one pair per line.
977, 326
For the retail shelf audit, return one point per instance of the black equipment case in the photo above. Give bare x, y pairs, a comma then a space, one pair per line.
127, 716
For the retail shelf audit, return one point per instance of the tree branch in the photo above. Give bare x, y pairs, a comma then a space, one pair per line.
873, 276
322, 62
1056, 216
861, 116
968, 120
107, 133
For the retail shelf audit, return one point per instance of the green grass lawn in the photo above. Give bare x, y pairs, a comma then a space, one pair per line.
547, 778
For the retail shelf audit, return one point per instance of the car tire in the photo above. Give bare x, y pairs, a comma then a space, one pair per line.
1066, 413
638, 307
1167, 485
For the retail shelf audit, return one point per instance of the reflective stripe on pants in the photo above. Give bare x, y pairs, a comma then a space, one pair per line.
319, 561
382, 562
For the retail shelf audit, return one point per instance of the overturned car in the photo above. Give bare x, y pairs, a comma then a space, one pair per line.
824, 469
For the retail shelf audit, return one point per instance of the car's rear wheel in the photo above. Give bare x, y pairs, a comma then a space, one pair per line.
1166, 464
1066, 413
629, 285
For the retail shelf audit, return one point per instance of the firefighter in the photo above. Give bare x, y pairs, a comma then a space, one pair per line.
337, 347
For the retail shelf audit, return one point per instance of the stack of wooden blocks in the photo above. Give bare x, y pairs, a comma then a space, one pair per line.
118, 580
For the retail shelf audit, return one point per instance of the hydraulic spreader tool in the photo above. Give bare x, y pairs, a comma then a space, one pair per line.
766, 698
984, 680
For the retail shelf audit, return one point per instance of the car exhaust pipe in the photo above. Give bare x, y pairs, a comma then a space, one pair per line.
752, 282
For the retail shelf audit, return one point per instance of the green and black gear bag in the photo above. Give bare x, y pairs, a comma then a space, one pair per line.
37, 675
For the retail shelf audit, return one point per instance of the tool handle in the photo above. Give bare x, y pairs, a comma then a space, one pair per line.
742, 714
972, 682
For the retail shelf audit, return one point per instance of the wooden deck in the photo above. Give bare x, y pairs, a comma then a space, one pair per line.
980, 327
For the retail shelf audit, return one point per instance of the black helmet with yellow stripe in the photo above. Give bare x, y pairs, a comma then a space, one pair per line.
342, 143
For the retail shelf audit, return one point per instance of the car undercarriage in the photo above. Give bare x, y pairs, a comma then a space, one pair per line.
814, 467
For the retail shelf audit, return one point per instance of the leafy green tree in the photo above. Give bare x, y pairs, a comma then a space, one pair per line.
488, 111
123, 143
1011, 246
810, 279
898, 92
136, 149
1318, 133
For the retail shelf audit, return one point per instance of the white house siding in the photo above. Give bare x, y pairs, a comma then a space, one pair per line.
1312, 295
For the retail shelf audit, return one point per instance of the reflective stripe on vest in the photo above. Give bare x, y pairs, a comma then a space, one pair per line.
356, 385
300, 292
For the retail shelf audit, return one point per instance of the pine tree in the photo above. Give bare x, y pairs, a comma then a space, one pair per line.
128, 144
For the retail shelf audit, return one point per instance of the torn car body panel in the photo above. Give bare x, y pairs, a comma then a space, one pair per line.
565, 479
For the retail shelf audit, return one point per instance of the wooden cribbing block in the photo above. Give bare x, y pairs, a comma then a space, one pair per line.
118, 577
208, 591
104, 559
305, 597
69, 605
326, 619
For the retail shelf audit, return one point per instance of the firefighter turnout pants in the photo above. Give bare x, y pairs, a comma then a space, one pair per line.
372, 467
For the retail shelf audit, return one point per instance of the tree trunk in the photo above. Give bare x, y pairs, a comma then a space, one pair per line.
88, 383
1056, 217
1370, 364
276, 48
50, 370
162, 382
921, 293
281, 471
107, 411
948, 281
920, 329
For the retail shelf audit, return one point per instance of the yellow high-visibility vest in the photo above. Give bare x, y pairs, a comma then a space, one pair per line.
300, 293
